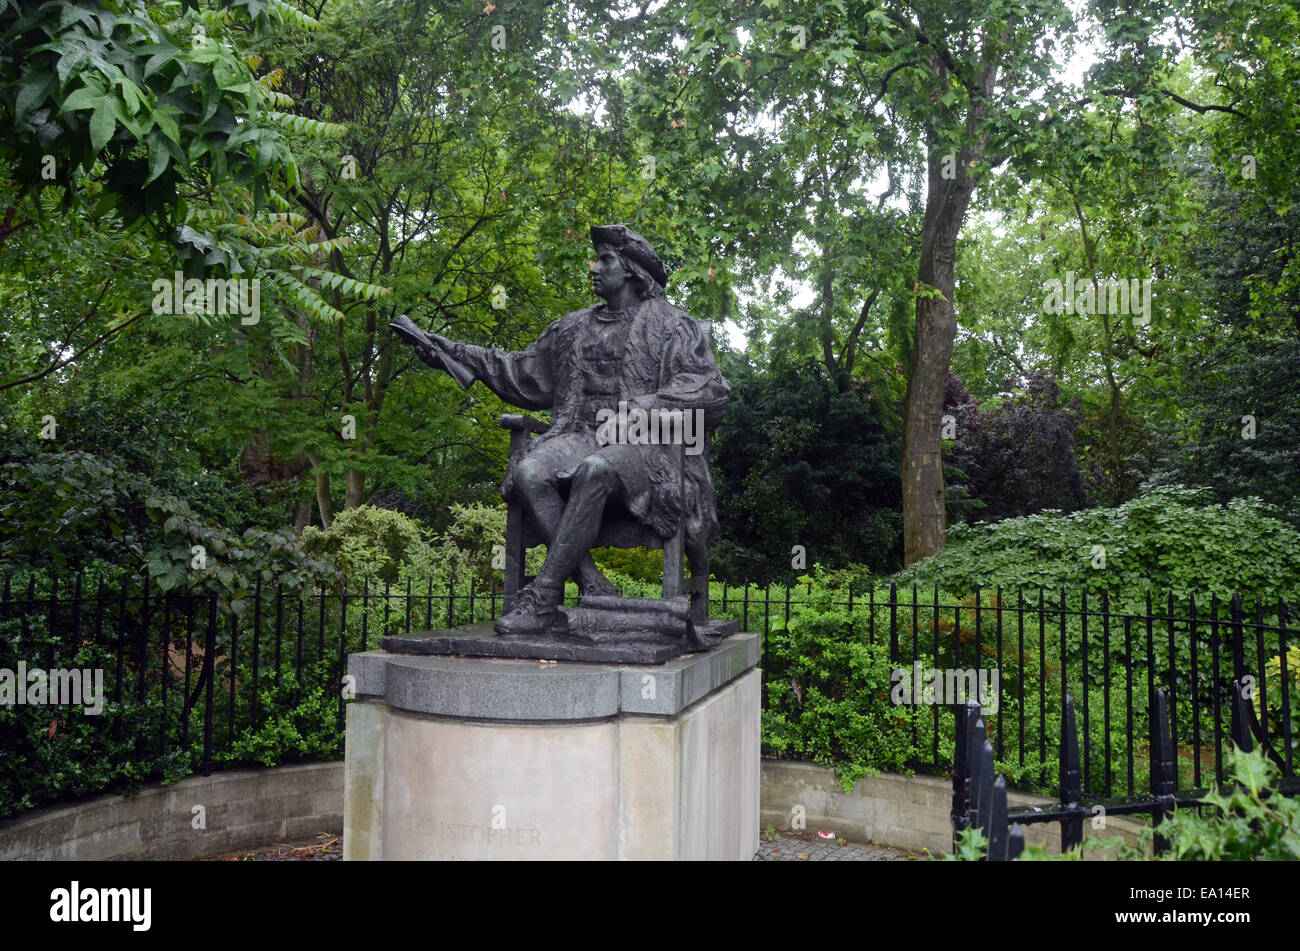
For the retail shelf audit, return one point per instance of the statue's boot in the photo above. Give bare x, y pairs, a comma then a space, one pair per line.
532, 612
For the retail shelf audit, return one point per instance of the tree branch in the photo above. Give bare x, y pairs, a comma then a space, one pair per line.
59, 364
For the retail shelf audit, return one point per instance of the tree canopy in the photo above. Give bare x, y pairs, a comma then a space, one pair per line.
961, 261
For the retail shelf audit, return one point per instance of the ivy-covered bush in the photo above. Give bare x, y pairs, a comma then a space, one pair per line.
1168, 540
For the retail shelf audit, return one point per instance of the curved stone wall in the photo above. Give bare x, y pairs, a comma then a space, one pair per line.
257, 807
196, 817
903, 812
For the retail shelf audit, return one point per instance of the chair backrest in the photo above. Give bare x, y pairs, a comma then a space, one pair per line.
706, 327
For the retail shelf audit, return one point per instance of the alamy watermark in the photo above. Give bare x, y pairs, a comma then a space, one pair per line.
77, 903
944, 686
1108, 296
232, 295
652, 427
61, 686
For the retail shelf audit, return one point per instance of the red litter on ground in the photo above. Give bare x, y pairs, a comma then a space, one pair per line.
825, 835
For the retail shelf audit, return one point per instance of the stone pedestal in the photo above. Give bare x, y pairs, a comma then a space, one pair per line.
471, 758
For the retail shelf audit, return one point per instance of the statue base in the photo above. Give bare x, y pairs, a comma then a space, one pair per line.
598, 630
475, 758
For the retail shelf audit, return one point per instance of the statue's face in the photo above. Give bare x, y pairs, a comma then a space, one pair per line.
608, 274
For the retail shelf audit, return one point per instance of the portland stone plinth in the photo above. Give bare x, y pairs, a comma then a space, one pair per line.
454, 757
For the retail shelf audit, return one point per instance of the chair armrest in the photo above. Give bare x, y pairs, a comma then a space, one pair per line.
523, 424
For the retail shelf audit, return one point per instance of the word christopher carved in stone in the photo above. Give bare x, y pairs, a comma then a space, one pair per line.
460, 832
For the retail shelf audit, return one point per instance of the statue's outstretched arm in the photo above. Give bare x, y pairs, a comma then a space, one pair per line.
523, 378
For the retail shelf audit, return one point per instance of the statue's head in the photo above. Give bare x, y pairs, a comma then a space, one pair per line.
639, 260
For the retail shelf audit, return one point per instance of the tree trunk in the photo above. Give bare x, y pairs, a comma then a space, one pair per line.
924, 518
356, 489
948, 191
323, 494
301, 516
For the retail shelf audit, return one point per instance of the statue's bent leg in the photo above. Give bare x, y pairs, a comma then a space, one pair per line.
536, 484
594, 483
536, 487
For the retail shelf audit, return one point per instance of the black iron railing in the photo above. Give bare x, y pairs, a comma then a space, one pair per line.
1045, 645
200, 670
979, 799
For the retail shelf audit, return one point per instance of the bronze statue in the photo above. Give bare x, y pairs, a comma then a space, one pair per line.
634, 357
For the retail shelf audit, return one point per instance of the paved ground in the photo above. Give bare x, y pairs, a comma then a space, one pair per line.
810, 847
772, 847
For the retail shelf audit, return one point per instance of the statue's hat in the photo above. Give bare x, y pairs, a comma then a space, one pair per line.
626, 241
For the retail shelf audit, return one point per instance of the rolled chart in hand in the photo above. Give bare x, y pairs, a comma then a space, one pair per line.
405, 328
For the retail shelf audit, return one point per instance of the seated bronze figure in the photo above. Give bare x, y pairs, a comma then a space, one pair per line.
633, 391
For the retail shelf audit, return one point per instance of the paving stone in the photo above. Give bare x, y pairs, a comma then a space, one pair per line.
808, 847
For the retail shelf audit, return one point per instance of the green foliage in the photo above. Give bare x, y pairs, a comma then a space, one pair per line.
122, 521
475, 538
372, 544
799, 464
1166, 540
52, 753
1248, 820
828, 695
55, 753
1240, 425
143, 100
298, 721
638, 564
971, 846
1274, 719
1018, 457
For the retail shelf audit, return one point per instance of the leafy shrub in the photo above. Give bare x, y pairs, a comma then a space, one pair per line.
371, 543
1216, 383
640, 564
56, 752
1273, 678
80, 511
1019, 457
1250, 821
828, 695
1163, 541
298, 721
798, 460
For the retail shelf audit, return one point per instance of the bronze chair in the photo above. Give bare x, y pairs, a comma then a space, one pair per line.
618, 529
